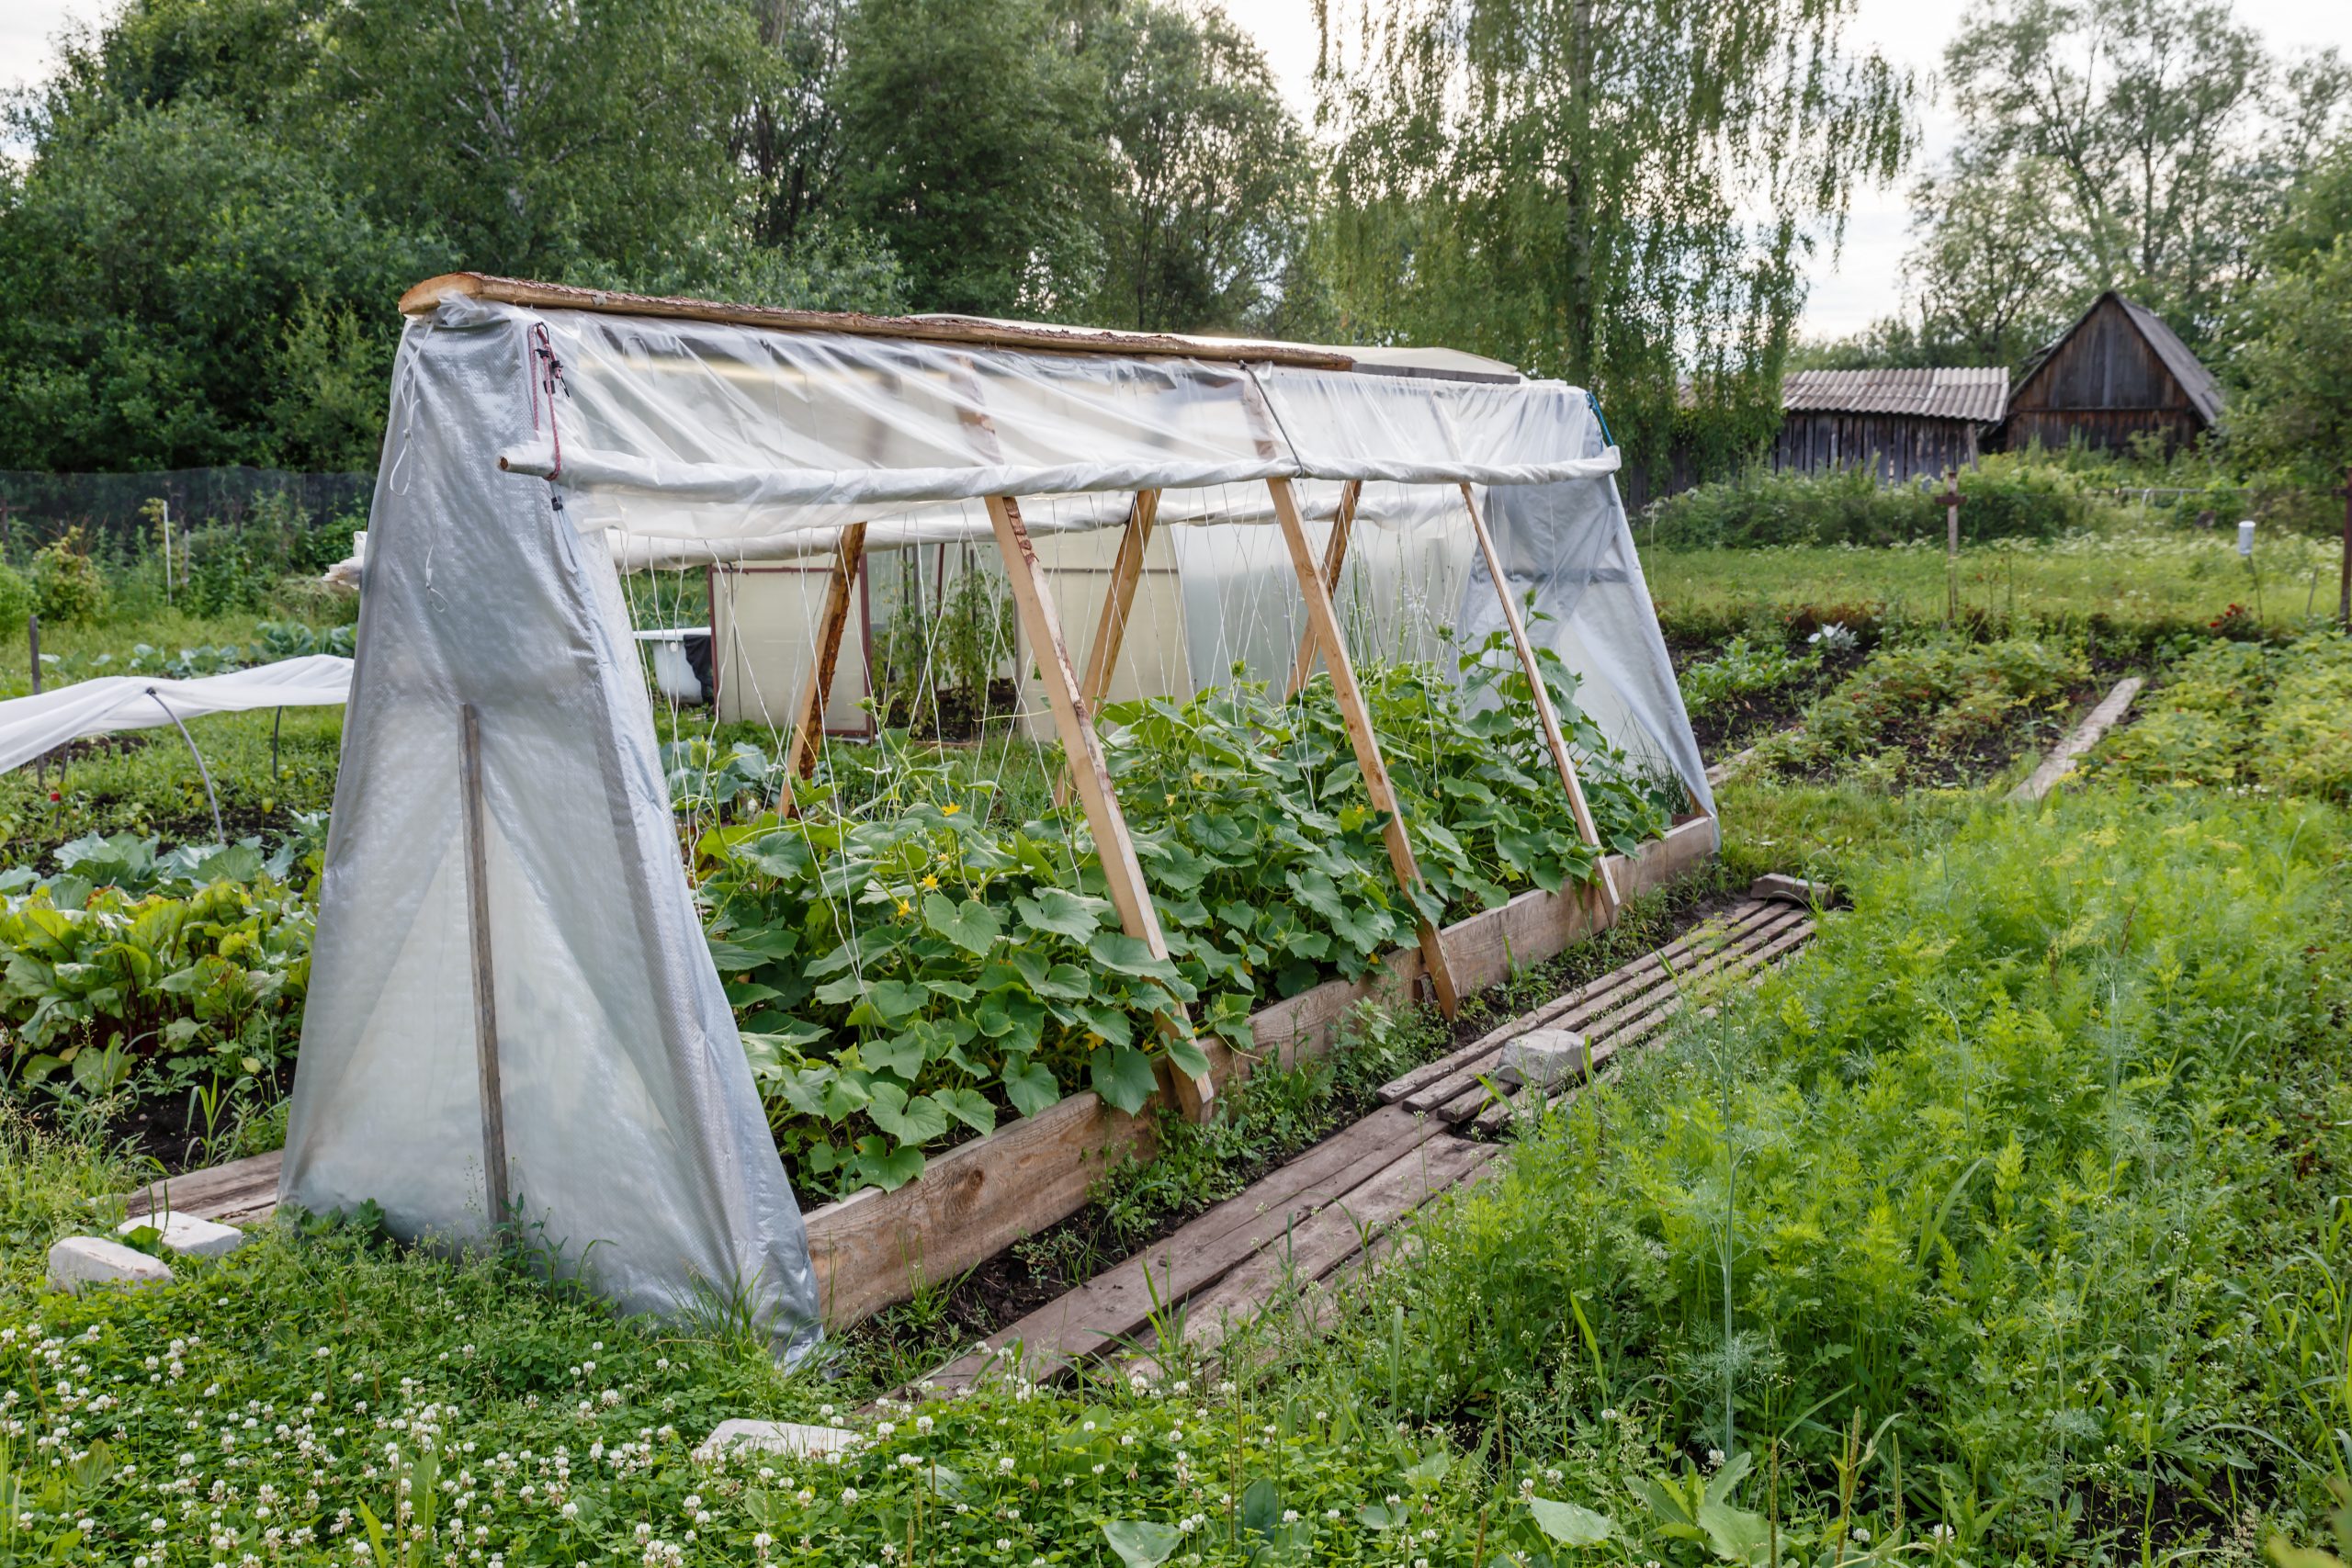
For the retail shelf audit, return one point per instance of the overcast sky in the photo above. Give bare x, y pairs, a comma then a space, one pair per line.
1848, 291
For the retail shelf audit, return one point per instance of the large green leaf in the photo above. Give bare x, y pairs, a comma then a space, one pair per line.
1129, 955
916, 1121
1571, 1524
1062, 913
1141, 1545
971, 925
1030, 1087
968, 1106
1123, 1077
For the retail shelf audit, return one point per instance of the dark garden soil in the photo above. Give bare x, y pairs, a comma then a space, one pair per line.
1008, 1287
1733, 724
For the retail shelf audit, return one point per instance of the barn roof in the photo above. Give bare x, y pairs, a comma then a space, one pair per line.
2203, 391
1964, 393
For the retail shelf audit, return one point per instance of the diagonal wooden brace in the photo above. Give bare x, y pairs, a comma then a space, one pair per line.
1074, 719
1323, 622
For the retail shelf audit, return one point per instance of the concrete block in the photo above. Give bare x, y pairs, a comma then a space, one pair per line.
776, 1436
83, 1260
188, 1235
1545, 1058
1787, 890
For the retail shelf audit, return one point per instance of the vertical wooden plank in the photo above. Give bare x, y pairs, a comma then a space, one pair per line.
1122, 873
1325, 624
1335, 558
1544, 713
809, 718
493, 1102
1118, 601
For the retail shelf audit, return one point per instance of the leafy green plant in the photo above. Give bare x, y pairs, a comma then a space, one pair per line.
928, 961
68, 588
127, 954
1922, 711
1743, 666
2244, 715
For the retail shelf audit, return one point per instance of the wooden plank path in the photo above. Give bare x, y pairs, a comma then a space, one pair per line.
1333, 1211
2096, 724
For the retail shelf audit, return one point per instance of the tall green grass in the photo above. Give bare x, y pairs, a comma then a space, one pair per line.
2030, 1169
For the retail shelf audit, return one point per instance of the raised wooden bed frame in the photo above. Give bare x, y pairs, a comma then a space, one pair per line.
872, 1248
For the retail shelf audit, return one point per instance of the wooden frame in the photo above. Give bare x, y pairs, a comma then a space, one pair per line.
1335, 559
1118, 602
1074, 719
1547, 715
1323, 624
493, 1099
808, 717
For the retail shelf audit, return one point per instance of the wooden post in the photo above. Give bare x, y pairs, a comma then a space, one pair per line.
1949, 501
809, 718
1110, 631
1335, 557
1544, 713
493, 1104
1324, 622
2344, 578
1122, 873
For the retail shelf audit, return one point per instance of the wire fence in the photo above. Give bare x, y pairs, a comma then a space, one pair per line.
110, 509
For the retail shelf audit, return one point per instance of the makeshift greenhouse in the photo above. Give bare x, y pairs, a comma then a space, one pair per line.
1243, 711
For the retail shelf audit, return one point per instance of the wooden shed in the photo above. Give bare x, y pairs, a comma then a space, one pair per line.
1901, 422
2117, 373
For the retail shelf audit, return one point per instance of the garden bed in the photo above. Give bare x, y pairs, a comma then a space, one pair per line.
874, 1248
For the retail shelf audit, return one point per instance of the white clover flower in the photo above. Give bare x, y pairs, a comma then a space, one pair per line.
849, 1496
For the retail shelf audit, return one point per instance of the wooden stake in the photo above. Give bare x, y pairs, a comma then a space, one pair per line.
1122, 873
1324, 622
1949, 501
809, 718
1545, 714
1335, 557
494, 1103
40, 763
1118, 601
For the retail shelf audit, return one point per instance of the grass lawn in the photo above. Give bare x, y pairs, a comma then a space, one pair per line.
2000, 1227
2161, 578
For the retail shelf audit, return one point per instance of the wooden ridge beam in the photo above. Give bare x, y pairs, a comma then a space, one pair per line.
1074, 719
1323, 622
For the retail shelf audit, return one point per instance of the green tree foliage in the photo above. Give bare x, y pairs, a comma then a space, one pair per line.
154, 258
2133, 144
1574, 185
1207, 207
972, 131
2295, 407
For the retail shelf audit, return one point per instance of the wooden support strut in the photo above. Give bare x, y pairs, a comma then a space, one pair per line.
1118, 602
1324, 622
1545, 714
809, 718
1073, 718
493, 1102
1335, 557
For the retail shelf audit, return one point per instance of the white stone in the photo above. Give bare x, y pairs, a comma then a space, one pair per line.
776, 1436
81, 1260
188, 1235
1544, 1058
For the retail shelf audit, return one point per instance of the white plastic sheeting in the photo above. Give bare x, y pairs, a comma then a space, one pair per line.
636, 1146
636, 1137
33, 727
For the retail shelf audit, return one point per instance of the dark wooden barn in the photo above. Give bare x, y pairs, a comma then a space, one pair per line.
1901, 422
2119, 372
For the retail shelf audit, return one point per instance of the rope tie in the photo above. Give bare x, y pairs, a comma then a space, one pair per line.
546, 380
